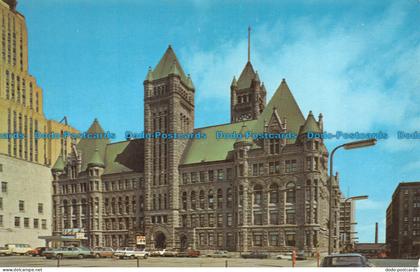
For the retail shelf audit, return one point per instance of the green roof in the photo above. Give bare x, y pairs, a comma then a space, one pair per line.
59, 164
88, 146
167, 65
212, 149
246, 77
96, 160
126, 156
311, 125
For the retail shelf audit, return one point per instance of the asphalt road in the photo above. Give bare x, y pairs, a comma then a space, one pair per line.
28, 261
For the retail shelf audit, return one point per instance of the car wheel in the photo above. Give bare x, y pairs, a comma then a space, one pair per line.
132, 257
80, 256
59, 256
97, 255
145, 256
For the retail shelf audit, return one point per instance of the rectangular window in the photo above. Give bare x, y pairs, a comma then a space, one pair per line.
271, 168
202, 176
255, 169
4, 187
220, 174
26, 222
184, 178
1, 203
21, 205
309, 163
277, 167
261, 169
220, 220
211, 220
258, 218
274, 218
229, 173
229, 219
194, 177
211, 175
1, 220
290, 239
36, 223
17, 221
257, 239
44, 223
40, 208
274, 239
1, 167
290, 218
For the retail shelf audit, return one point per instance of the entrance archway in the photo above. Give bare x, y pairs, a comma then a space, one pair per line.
160, 240
184, 242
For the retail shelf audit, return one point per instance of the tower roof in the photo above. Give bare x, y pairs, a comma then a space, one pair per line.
59, 165
96, 160
246, 77
286, 106
310, 125
165, 66
88, 146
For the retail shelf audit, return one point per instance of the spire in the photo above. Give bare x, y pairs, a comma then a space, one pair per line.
165, 66
256, 78
310, 125
234, 83
249, 43
149, 76
96, 160
190, 83
174, 69
246, 77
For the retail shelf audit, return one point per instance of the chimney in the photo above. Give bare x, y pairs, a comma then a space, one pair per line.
376, 232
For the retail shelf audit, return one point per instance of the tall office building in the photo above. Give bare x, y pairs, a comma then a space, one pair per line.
25, 195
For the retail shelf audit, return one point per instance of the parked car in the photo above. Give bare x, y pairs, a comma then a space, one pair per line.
102, 252
345, 260
131, 252
68, 252
255, 255
189, 253
170, 253
37, 251
19, 249
300, 256
219, 254
284, 256
5, 251
157, 252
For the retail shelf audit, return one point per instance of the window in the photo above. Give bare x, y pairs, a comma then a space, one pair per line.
26, 222
4, 187
274, 146
257, 194
194, 177
229, 219
184, 220
202, 176
17, 221
255, 169
309, 163
220, 220
211, 175
1, 167
290, 239
229, 197
184, 200
229, 173
44, 223
193, 200
220, 174
274, 218
241, 195
1, 203
290, 217
257, 239
290, 166
21, 205
258, 218
1, 220
211, 219
219, 199
274, 193
274, 239
184, 178
211, 200
290, 193
40, 208
201, 220
202, 199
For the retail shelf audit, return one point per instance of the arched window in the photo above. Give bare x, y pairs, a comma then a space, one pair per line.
127, 204
257, 194
65, 207
74, 207
120, 205
211, 199
193, 200
184, 200
202, 199
274, 193
229, 198
219, 199
290, 193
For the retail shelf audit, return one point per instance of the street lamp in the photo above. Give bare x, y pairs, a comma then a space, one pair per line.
347, 146
350, 199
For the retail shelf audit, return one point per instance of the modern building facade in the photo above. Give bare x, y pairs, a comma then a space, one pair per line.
25, 205
202, 191
403, 221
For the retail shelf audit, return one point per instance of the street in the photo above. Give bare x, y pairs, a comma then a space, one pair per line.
28, 261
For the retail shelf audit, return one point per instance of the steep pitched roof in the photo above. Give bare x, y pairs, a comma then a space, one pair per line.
286, 106
59, 165
125, 156
311, 125
88, 146
246, 77
167, 65
96, 160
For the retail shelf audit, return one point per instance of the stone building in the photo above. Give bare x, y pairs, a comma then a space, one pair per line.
235, 193
403, 221
25, 208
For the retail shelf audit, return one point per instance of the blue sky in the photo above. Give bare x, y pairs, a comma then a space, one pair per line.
357, 62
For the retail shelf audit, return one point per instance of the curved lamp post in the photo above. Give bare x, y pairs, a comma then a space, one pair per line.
347, 146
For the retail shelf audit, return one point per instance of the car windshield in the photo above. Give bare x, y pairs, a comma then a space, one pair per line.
339, 261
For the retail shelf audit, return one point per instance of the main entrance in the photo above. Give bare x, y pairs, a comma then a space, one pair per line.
184, 242
160, 240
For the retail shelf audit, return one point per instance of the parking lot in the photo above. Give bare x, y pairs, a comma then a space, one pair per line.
28, 261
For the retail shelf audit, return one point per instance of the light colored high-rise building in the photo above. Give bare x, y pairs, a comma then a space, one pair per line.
25, 210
